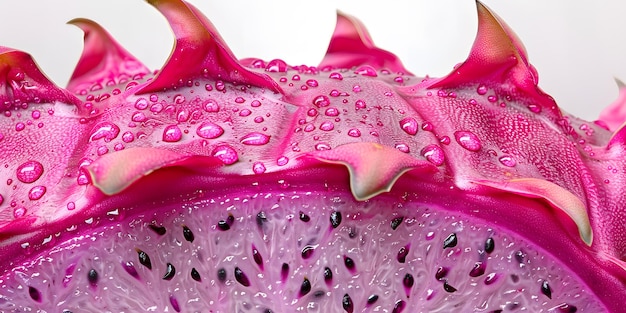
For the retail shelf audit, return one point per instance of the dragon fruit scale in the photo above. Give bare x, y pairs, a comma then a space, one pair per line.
250, 185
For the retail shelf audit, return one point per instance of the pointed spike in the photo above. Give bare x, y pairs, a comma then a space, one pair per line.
498, 57
103, 59
613, 116
21, 81
351, 45
618, 139
199, 51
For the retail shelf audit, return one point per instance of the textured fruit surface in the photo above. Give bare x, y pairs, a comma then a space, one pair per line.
234, 184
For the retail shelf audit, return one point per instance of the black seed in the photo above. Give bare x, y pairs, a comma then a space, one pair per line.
398, 306
159, 230
546, 290
319, 294
328, 275
130, 269
221, 275
230, 219
268, 311
519, 256
450, 241
144, 259
514, 278
307, 251
241, 277
92, 277
402, 253
346, 302
261, 218
34, 293
335, 219
408, 280
305, 287
511, 306
396, 222
448, 288
223, 225
478, 269
489, 245
195, 275
348, 262
67, 311
497, 311
284, 272
256, 255
491, 278
304, 217
441, 273
187, 234
372, 299
352, 232
169, 271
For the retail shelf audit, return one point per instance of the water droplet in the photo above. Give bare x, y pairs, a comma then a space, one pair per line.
427, 126
245, 112
240, 100
445, 140
255, 139
36, 192
276, 65
359, 104
172, 133
353, 132
409, 125
128, 137
209, 130
312, 112
20, 126
356, 88
322, 146
226, 154
19, 212
335, 75
312, 83
283, 160
138, 117
255, 103
366, 70
327, 126
434, 154
334, 93
403, 148
179, 99
321, 101
70, 205
534, 108
481, 90
35, 114
332, 112
468, 140
258, 168
492, 98
102, 150
29, 171
211, 106
507, 160
258, 119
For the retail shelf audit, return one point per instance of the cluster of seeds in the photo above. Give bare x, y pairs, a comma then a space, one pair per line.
270, 253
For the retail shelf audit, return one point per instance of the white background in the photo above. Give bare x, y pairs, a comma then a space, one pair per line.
577, 47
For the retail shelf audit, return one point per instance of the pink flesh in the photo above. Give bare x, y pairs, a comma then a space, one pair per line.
488, 122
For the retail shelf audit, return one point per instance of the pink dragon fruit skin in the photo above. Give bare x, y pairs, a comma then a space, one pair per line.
121, 135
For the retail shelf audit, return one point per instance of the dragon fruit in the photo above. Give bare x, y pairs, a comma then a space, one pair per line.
252, 185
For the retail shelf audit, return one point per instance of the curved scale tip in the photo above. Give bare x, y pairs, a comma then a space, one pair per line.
351, 45
374, 168
199, 51
102, 59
